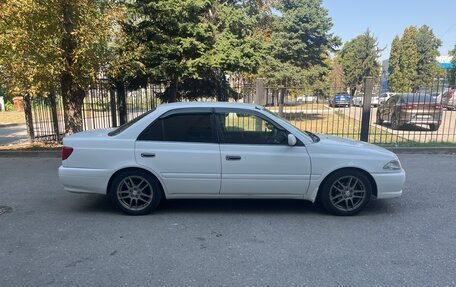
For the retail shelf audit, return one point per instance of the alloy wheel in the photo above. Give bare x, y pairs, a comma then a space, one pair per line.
347, 193
134, 193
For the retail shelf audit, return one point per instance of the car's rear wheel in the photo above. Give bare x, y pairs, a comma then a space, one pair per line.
395, 123
135, 192
434, 127
345, 192
379, 118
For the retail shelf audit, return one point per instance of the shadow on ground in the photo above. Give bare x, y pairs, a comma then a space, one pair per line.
103, 204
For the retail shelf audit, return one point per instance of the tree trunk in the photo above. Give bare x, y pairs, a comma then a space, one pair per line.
352, 91
173, 90
72, 95
74, 112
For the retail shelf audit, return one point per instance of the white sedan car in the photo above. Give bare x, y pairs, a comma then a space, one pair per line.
225, 150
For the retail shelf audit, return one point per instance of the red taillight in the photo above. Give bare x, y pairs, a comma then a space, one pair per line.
438, 107
409, 107
66, 152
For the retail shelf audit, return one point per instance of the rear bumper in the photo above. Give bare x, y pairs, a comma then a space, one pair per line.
390, 184
421, 119
84, 180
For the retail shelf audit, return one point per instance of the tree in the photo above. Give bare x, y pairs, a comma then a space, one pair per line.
452, 71
394, 70
337, 77
409, 59
428, 50
46, 45
299, 46
359, 59
193, 43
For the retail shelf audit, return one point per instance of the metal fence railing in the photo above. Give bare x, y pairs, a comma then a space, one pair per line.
427, 116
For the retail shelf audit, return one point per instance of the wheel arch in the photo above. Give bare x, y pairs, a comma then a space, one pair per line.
133, 168
367, 174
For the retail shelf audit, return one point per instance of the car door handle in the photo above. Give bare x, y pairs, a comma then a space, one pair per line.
233, 157
147, 155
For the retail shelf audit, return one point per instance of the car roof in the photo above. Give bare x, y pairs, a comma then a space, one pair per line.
181, 105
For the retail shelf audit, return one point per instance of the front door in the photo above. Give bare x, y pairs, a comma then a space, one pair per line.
256, 157
182, 148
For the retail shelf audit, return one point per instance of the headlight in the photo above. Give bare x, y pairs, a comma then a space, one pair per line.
393, 165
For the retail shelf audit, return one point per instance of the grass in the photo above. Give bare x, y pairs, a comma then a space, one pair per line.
341, 125
12, 118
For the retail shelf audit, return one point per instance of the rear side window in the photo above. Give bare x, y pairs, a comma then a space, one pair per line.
180, 128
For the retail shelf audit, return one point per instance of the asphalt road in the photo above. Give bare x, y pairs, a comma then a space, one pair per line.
54, 238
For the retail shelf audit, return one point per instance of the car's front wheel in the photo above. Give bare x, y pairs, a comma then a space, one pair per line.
135, 192
345, 192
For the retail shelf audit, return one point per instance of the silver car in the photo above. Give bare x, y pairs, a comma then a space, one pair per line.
448, 99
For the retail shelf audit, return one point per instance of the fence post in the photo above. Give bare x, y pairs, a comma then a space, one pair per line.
120, 89
259, 95
55, 121
365, 120
28, 117
112, 103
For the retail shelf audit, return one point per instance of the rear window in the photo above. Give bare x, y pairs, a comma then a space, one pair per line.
128, 124
418, 98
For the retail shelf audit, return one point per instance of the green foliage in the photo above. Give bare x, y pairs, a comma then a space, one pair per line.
428, 49
192, 41
452, 72
359, 59
413, 62
395, 75
299, 45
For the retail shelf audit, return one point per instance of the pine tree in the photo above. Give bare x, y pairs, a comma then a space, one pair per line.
428, 49
409, 60
359, 58
394, 69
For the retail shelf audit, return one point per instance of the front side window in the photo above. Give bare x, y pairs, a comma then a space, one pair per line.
180, 128
245, 128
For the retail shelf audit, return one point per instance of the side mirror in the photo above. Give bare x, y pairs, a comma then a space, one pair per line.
291, 140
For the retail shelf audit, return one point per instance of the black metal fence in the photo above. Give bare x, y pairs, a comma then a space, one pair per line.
427, 116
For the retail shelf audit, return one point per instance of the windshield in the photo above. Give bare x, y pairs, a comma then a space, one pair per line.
128, 124
307, 134
412, 98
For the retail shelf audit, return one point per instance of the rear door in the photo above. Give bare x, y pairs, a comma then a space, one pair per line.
181, 147
256, 157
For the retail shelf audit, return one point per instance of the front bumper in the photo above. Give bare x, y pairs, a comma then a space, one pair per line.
84, 180
389, 184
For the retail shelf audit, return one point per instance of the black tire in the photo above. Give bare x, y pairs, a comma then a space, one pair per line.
334, 200
141, 192
395, 123
379, 119
434, 127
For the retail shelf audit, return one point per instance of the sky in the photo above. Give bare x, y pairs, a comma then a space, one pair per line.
388, 18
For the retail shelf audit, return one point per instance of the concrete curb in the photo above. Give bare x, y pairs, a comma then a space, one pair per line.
30, 153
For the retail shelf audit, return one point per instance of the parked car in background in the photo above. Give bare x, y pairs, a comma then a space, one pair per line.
448, 99
384, 97
359, 100
341, 100
404, 109
225, 150
306, 99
